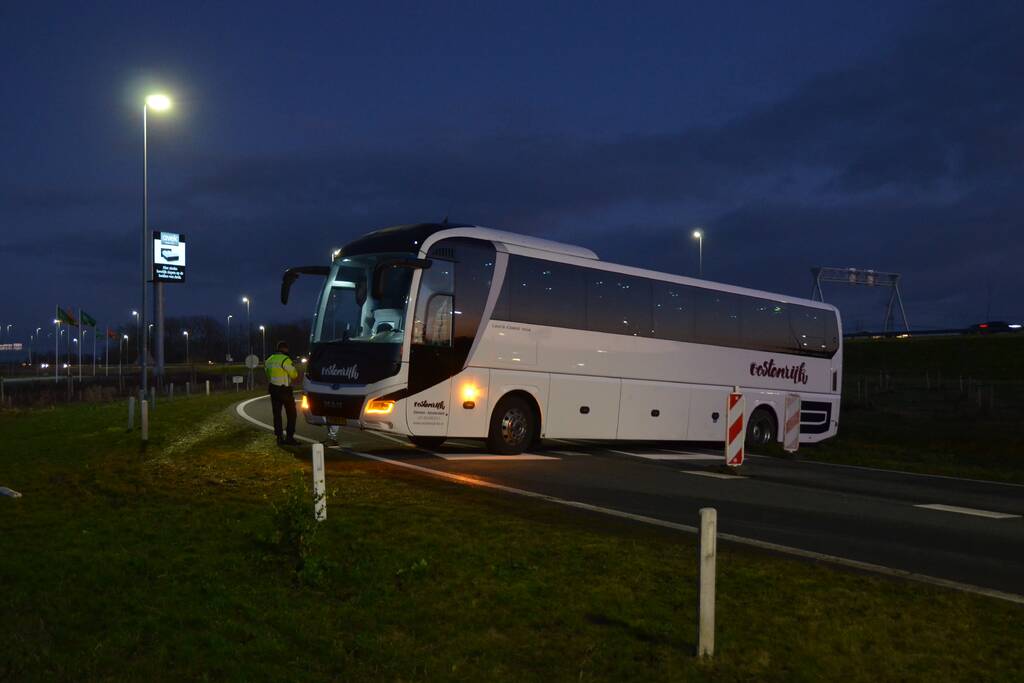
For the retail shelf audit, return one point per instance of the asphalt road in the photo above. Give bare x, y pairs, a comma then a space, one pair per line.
973, 533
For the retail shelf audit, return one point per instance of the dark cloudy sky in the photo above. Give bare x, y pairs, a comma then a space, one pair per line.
873, 133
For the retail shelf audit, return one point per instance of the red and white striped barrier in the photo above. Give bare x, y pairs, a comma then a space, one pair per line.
736, 432
791, 427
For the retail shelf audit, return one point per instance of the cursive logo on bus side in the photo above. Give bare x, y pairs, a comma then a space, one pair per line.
796, 373
350, 373
437, 405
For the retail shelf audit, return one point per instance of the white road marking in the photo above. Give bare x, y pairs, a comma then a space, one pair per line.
753, 542
713, 475
572, 453
669, 456
968, 511
488, 456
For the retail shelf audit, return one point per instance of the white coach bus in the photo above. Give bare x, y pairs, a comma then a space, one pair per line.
436, 331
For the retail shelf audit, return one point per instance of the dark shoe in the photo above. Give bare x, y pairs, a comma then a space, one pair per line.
290, 441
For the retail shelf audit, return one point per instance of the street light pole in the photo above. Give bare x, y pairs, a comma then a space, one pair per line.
185, 332
158, 103
248, 325
263, 336
227, 359
56, 350
699, 236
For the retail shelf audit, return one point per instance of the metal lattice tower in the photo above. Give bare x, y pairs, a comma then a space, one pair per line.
869, 278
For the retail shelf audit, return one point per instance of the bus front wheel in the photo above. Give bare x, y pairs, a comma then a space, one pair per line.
761, 429
513, 426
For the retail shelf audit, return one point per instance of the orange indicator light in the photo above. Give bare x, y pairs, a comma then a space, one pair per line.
380, 407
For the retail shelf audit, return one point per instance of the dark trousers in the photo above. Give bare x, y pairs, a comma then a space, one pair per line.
282, 397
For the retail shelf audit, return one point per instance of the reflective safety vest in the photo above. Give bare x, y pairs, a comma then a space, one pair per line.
280, 370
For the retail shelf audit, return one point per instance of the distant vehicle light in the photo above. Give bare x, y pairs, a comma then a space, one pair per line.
983, 326
303, 360
380, 407
1015, 326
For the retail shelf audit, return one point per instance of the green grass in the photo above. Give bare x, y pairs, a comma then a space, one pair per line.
163, 565
943, 405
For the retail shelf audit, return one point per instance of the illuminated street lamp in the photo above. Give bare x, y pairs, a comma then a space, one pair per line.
156, 102
228, 357
263, 336
699, 236
185, 332
248, 326
138, 328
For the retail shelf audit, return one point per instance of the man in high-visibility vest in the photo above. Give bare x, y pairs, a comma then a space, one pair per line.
280, 373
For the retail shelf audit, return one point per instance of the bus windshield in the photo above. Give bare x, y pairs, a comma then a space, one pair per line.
349, 311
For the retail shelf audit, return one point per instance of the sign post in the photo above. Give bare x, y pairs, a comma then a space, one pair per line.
707, 553
168, 266
791, 434
736, 431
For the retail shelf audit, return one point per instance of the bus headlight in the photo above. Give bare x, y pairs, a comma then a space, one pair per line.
380, 407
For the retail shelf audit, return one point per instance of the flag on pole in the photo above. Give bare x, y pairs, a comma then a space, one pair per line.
88, 319
66, 317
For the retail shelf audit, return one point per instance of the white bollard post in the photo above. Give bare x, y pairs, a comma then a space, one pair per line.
131, 413
145, 421
707, 551
319, 492
207, 387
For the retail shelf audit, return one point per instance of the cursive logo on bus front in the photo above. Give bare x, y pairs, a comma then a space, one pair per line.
796, 373
350, 373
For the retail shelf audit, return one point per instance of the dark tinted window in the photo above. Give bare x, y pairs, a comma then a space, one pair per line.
543, 293
474, 268
809, 328
673, 310
765, 325
620, 304
718, 318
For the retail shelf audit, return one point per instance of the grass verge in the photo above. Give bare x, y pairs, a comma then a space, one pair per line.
191, 560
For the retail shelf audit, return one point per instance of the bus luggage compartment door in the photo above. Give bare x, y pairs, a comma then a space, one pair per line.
653, 410
583, 407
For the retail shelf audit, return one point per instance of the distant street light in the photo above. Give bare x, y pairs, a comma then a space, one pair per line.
156, 102
185, 332
263, 336
248, 326
699, 236
228, 358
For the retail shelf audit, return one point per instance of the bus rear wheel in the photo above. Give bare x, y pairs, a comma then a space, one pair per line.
513, 426
427, 442
761, 429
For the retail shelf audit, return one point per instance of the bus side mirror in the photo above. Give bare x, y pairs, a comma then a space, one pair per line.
292, 274
378, 272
